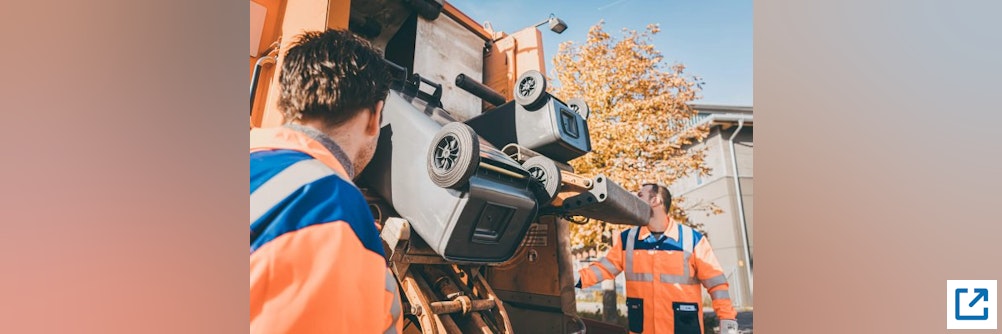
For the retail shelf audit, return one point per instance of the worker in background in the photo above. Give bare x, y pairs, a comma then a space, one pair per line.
666, 266
316, 260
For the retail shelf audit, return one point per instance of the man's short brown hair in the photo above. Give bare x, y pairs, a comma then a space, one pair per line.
331, 76
654, 189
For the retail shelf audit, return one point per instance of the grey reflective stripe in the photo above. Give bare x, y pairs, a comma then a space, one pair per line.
609, 266
395, 313
390, 283
642, 277
391, 287
630, 275
284, 184
629, 251
598, 273
714, 281
720, 294
676, 279
687, 246
687, 239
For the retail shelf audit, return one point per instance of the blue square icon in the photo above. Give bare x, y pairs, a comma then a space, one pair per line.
971, 304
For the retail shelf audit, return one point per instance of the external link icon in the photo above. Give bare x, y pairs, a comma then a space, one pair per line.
981, 294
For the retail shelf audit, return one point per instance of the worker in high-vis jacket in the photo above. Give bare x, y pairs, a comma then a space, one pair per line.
316, 260
666, 265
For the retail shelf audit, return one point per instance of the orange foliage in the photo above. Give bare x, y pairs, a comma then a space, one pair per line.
639, 119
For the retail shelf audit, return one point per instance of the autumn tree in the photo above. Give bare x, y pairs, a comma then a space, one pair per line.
640, 117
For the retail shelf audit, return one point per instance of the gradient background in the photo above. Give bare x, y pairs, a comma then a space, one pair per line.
876, 161
123, 170
124, 167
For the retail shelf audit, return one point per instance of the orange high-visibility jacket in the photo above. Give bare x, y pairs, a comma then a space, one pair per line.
664, 279
316, 260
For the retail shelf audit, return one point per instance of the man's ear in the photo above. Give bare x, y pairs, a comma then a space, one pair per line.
375, 118
656, 200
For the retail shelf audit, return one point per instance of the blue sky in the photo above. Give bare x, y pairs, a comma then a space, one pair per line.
712, 38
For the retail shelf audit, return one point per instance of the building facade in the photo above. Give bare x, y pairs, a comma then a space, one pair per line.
729, 147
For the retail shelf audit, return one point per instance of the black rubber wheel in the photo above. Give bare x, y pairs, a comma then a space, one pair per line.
530, 90
545, 170
579, 106
453, 156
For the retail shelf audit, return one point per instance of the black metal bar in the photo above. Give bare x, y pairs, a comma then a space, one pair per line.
437, 94
256, 77
478, 89
398, 75
609, 202
413, 88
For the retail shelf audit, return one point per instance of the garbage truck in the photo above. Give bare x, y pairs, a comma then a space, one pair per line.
470, 183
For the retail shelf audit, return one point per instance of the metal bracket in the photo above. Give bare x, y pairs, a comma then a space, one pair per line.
412, 87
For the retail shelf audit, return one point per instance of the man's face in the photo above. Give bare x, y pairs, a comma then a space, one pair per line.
645, 194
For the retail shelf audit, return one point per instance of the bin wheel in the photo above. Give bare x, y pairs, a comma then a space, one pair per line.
545, 171
453, 156
530, 90
579, 106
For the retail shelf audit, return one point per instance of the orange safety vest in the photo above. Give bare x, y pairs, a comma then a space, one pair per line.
664, 279
316, 260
